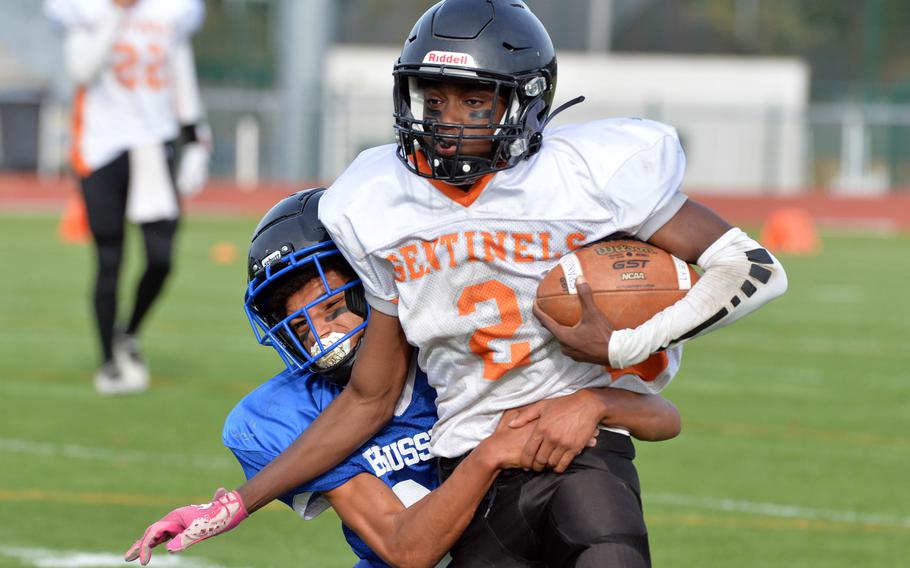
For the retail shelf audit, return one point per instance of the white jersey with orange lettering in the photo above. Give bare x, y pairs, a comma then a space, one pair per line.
126, 100
461, 269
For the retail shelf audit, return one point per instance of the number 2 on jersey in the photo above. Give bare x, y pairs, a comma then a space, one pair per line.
510, 321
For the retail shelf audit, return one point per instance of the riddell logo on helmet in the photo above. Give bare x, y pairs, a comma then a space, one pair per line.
270, 258
449, 58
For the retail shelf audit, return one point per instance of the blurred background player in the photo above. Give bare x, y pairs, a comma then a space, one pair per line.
135, 94
305, 300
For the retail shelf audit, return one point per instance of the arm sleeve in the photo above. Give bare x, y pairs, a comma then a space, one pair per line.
64, 14
378, 281
191, 21
188, 103
253, 461
307, 498
87, 46
268, 420
652, 375
377, 274
336, 476
740, 276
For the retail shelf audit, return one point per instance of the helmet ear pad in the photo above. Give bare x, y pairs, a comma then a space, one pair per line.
535, 118
356, 299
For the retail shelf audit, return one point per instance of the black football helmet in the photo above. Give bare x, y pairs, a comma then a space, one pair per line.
498, 43
290, 241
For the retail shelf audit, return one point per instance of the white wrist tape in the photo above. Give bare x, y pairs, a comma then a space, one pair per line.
740, 276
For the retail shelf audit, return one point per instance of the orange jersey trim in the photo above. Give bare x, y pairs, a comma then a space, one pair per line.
463, 198
648, 370
77, 160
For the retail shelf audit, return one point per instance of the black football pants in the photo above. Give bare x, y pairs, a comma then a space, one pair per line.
589, 516
105, 192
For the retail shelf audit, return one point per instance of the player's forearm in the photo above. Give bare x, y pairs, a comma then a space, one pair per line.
426, 530
344, 426
740, 277
646, 416
87, 52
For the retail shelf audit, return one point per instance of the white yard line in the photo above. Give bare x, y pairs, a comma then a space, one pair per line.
75, 451
776, 510
47, 558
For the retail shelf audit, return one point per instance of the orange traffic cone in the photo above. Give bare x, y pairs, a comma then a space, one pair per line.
791, 230
73, 227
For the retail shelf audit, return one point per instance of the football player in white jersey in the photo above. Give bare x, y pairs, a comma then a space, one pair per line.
451, 229
135, 95
300, 289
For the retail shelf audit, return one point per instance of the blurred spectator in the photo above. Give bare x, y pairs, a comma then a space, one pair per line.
136, 91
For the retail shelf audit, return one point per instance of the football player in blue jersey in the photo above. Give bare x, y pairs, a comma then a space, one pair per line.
304, 300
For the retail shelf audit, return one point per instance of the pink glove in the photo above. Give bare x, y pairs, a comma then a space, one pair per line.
188, 525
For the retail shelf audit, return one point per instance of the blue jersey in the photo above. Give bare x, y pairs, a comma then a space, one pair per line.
271, 417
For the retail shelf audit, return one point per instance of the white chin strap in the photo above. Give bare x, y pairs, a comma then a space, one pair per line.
336, 352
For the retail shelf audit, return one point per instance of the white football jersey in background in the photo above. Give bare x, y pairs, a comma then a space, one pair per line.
130, 103
461, 269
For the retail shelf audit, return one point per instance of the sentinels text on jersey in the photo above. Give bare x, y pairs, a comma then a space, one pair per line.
460, 269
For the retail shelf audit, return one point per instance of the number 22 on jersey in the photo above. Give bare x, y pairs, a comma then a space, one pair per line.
509, 322
133, 68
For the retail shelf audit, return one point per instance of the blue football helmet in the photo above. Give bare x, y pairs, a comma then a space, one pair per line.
289, 247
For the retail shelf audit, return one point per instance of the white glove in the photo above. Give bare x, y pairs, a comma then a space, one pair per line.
193, 170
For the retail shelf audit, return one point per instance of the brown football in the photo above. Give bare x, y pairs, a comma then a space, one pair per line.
631, 281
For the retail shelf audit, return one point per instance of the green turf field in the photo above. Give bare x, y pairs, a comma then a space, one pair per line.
795, 448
